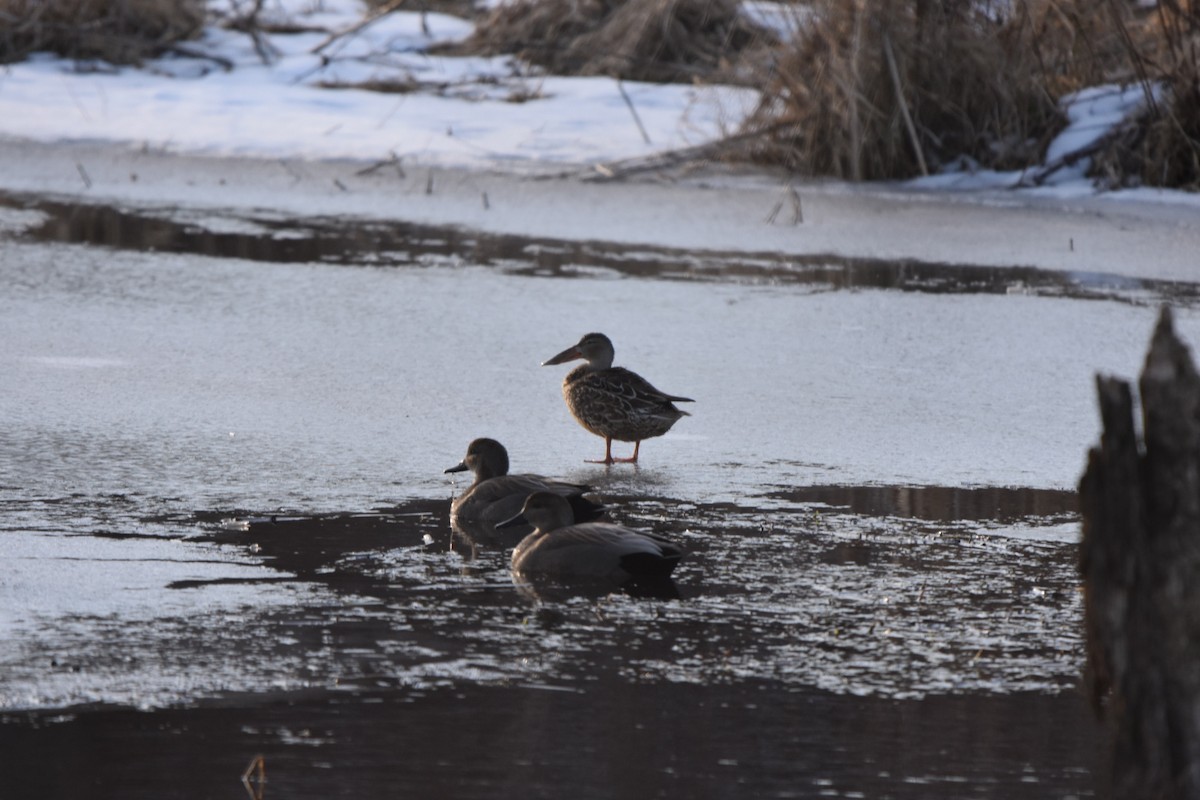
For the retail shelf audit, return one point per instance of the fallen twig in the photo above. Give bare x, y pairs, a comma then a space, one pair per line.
371, 19
672, 158
797, 208
248, 24
254, 777
1040, 176
391, 160
633, 111
191, 52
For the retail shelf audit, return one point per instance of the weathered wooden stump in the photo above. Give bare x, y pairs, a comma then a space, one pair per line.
1140, 559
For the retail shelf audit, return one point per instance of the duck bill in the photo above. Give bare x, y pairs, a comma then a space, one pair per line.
459, 467
512, 522
570, 354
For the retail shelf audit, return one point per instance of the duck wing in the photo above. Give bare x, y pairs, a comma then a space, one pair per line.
617, 399
596, 550
497, 499
633, 388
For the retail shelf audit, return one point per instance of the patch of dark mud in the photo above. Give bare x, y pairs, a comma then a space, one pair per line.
850, 603
600, 739
404, 244
343, 551
315, 547
942, 503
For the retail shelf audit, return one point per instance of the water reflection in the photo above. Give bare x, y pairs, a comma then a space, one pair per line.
540, 738
548, 589
359, 242
941, 503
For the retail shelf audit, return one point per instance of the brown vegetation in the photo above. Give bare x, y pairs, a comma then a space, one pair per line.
879, 89
649, 40
466, 9
117, 31
1161, 147
872, 90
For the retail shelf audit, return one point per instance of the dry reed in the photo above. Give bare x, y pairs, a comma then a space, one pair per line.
880, 89
650, 40
117, 31
1160, 147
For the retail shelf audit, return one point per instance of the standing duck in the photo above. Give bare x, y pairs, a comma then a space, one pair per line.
496, 496
561, 547
614, 402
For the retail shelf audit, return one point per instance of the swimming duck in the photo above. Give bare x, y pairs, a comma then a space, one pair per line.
496, 496
561, 547
614, 402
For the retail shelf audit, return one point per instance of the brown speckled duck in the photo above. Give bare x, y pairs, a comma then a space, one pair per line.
561, 547
614, 402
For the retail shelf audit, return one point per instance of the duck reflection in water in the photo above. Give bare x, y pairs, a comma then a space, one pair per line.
496, 496
562, 554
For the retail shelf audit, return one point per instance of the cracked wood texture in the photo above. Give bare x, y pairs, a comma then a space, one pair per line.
1140, 559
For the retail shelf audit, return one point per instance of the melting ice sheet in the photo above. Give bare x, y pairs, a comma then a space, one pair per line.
874, 487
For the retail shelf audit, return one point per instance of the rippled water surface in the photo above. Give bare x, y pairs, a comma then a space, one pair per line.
225, 519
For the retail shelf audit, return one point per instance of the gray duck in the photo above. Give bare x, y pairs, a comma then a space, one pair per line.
496, 496
561, 547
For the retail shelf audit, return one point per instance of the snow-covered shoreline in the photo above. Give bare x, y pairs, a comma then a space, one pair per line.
489, 145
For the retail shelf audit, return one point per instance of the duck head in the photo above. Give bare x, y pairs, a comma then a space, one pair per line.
487, 458
594, 348
544, 511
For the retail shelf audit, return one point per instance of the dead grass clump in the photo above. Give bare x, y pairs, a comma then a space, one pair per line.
117, 31
464, 9
1170, 151
649, 40
883, 89
1076, 43
1161, 147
